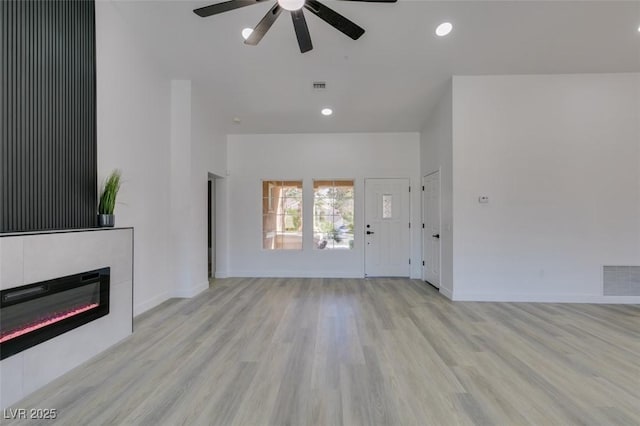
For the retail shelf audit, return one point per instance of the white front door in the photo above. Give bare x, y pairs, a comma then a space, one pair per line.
386, 228
431, 229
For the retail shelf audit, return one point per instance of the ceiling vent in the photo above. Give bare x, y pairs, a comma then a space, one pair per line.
319, 85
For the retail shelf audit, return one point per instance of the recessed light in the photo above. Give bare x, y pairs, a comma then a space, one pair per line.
327, 111
444, 29
246, 33
639, 29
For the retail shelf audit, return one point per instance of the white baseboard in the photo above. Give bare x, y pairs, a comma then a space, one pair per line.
544, 298
446, 293
221, 274
294, 274
141, 308
192, 291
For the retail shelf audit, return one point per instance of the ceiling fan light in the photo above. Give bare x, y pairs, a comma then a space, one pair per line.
291, 4
246, 33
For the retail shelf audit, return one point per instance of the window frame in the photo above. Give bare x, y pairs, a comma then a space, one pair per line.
272, 211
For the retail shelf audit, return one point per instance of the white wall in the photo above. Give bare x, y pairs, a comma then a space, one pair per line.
197, 149
163, 136
436, 154
133, 121
559, 157
208, 155
311, 156
182, 250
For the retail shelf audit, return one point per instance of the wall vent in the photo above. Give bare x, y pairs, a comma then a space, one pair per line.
319, 85
621, 280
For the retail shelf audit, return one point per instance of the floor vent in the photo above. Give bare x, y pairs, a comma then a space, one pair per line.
621, 281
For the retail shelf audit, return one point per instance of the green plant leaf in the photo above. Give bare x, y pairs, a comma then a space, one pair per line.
109, 192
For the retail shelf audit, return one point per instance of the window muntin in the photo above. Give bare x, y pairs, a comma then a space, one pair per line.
333, 214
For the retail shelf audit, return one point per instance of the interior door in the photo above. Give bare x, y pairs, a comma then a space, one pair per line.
431, 229
387, 228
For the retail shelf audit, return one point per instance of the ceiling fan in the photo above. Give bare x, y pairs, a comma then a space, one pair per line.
323, 12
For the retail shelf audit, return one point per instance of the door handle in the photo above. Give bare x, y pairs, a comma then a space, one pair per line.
369, 232
436, 235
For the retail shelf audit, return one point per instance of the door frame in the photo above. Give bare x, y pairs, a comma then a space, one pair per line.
364, 219
211, 223
424, 233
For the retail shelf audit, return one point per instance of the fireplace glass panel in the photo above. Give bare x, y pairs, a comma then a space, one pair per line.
34, 314
38, 312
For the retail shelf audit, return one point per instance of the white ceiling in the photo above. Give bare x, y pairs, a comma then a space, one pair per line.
388, 80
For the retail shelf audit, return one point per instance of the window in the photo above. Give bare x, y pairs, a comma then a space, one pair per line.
282, 215
333, 213
387, 206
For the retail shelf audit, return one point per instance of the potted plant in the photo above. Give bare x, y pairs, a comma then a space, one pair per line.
108, 200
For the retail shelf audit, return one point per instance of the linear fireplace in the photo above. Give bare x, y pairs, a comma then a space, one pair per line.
34, 313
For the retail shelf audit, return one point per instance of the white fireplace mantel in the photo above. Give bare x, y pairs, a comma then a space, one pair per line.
27, 258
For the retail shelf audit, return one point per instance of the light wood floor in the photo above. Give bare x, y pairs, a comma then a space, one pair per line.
359, 352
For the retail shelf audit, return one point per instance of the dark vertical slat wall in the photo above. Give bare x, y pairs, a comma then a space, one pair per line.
48, 171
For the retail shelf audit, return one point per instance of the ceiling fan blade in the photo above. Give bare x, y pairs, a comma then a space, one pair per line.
263, 26
302, 30
375, 1
214, 9
334, 18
